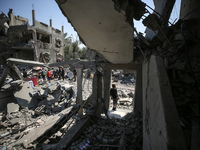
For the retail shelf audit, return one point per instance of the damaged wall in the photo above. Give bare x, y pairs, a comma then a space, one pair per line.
161, 127
28, 42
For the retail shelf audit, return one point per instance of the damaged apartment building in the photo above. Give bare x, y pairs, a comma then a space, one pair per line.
165, 108
39, 42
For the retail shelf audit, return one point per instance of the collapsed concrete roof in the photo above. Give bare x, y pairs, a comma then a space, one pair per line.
101, 28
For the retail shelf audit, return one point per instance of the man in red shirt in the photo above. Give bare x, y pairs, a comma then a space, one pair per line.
49, 75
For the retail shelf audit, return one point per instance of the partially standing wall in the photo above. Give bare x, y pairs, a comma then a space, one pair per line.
161, 126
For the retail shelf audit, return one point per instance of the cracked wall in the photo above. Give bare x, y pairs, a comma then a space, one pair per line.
161, 128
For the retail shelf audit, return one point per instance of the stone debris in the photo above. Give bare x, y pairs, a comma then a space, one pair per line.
123, 77
105, 133
12, 108
45, 116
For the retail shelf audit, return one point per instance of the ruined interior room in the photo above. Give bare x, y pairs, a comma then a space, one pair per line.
50, 102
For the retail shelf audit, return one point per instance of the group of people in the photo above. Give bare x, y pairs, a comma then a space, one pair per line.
59, 73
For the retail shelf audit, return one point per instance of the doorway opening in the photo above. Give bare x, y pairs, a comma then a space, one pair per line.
124, 80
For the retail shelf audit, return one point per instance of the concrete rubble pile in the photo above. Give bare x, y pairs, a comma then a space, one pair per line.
53, 98
111, 134
124, 78
47, 116
33, 107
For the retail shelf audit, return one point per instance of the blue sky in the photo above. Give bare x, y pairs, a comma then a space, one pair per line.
48, 9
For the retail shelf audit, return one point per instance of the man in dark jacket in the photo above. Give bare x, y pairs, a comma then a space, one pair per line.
114, 96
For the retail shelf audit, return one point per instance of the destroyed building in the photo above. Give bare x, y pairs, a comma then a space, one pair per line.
165, 62
39, 42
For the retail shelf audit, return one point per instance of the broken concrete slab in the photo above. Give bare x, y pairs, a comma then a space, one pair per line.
12, 107
124, 100
51, 126
22, 95
26, 62
16, 83
71, 135
14, 121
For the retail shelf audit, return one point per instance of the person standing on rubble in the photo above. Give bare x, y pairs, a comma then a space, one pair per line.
25, 75
43, 74
74, 71
114, 96
63, 73
59, 73
49, 75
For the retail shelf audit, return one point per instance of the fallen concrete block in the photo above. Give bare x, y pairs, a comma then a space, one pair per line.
39, 110
54, 88
14, 121
22, 95
12, 107
131, 94
72, 134
46, 130
124, 100
16, 83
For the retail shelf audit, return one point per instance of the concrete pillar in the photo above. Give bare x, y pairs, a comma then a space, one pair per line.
35, 52
93, 100
107, 80
63, 29
138, 91
161, 125
33, 17
50, 22
99, 93
79, 98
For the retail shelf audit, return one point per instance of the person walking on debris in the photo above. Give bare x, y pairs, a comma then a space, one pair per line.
63, 73
49, 75
74, 71
59, 73
25, 75
114, 96
43, 74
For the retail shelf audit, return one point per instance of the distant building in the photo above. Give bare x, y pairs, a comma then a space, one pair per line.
38, 42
